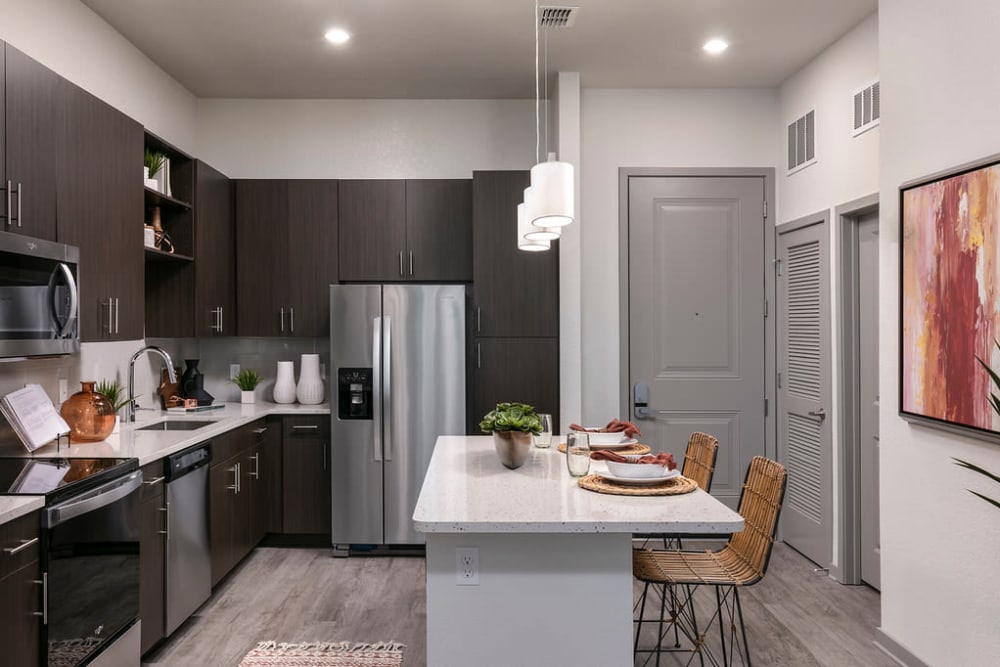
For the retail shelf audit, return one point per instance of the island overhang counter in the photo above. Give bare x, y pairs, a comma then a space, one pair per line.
554, 570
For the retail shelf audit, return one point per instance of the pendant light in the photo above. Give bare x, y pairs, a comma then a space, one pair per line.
523, 227
531, 231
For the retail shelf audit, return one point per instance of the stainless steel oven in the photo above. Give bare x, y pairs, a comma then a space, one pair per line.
39, 301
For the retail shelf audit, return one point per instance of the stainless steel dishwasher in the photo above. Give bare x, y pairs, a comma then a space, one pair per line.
189, 565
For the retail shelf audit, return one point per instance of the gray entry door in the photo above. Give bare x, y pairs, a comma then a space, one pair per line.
804, 437
868, 391
696, 316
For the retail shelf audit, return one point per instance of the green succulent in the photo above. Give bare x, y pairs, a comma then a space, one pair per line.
154, 161
247, 379
113, 391
511, 417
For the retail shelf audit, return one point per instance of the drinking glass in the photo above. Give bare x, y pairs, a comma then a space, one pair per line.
578, 453
544, 439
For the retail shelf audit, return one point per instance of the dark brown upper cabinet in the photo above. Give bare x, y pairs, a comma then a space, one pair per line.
100, 211
406, 230
32, 107
215, 253
516, 293
286, 241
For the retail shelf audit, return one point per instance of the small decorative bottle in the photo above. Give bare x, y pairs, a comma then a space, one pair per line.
310, 388
284, 385
90, 416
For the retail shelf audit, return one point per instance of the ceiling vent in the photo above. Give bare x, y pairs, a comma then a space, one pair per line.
802, 142
867, 108
557, 17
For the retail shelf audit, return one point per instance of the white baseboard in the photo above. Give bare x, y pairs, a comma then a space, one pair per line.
897, 651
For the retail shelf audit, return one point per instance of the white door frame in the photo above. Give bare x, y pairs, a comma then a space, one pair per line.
767, 275
848, 557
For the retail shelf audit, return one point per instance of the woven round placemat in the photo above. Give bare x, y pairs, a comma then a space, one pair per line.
637, 448
671, 487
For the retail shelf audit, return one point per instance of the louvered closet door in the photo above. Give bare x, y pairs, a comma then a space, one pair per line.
804, 441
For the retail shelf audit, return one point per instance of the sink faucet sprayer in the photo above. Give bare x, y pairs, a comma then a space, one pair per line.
131, 406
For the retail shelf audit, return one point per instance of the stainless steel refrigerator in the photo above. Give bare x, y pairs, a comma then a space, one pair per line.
397, 382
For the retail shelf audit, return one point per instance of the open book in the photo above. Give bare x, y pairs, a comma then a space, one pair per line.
32, 416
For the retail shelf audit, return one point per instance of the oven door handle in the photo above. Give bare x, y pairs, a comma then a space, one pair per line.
100, 497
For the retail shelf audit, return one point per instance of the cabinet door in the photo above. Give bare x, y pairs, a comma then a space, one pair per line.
312, 239
4, 212
222, 502
151, 564
372, 221
516, 292
32, 110
215, 254
19, 627
525, 370
262, 257
439, 230
263, 480
305, 466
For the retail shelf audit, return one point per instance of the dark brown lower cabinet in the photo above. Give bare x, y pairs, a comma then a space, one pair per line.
305, 475
151, 571
20, 592
525, 370
265, 480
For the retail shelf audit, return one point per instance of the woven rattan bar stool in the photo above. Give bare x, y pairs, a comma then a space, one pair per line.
742, 562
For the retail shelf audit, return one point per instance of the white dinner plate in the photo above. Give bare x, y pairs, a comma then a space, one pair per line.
638, 481
617, 445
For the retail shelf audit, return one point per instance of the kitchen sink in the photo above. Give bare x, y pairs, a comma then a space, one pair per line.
176, 425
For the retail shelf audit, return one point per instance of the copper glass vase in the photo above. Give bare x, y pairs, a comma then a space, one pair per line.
91, 416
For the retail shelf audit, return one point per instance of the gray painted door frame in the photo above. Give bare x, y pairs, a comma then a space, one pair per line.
767, 275
848, 570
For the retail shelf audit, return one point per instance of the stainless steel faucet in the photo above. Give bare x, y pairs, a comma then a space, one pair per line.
132, 405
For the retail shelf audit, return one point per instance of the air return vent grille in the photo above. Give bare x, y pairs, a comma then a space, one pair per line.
557, 17
867, 108
802, 142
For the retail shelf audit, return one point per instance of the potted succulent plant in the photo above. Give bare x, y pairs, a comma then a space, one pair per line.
512, 425
114, 392
152, 163
247, 380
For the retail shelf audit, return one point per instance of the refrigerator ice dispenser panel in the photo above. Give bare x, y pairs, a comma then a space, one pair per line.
354, 393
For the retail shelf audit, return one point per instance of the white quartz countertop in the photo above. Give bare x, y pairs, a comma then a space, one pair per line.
12, 507
149, 446
467, 490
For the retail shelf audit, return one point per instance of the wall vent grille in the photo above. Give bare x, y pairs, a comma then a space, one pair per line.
802, 142
557, 17
867, 108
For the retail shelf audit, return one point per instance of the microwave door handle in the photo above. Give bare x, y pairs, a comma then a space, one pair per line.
64, 327
96, 499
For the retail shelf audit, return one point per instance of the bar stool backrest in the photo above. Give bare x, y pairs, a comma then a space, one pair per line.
699, 459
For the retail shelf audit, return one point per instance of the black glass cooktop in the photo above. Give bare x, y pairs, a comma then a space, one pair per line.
57, 478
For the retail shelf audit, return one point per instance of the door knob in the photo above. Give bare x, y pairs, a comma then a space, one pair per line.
820, 414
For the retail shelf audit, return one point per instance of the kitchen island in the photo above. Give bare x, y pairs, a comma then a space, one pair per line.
553, 572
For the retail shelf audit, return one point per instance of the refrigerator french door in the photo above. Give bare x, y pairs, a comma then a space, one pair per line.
398, 382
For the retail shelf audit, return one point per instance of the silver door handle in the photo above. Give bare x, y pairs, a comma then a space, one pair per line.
10, 203
377, 386
153, 481
305, 427
411, 262
819, 414
387, 390
217, 324
255, 473
166, 520
235, 487
479, 320
111, 328
260, 430
100, 497
282, 320
400, 262
44, 583
19, 204
10, 551
117, 309
291, 320
645, 412
479, 356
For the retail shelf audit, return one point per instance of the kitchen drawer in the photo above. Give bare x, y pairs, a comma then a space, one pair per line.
306, 425
16, 534
229, 444
152, 480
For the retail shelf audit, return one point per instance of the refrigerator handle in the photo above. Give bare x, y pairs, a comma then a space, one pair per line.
387, 390
377, 387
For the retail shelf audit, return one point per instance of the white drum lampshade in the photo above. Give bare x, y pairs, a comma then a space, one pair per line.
552, 186
523, 227
532, 232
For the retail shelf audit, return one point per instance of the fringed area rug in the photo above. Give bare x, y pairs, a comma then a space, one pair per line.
323, 654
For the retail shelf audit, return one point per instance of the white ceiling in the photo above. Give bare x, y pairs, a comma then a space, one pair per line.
429, 49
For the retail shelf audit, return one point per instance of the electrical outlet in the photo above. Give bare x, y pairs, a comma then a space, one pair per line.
467, 566
63, 390
234, 370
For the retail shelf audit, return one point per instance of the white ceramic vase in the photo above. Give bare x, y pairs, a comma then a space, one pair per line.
310, 388
284, 385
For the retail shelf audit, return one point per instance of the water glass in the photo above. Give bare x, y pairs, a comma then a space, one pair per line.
578, 453
544, 439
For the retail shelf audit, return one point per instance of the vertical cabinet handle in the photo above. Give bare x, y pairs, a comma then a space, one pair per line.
117, 309
479, 356
10, 203
19, 204
255, 472
217, 324
400, 262
411, 262
235, 488
326, 446
166, 519
44, 583
220, 319
291, 320
282, 319
111, 327
479, 319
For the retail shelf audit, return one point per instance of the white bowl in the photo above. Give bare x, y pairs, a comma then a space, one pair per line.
637, 470
605, 438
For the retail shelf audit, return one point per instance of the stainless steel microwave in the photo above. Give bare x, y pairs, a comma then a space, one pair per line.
39, 300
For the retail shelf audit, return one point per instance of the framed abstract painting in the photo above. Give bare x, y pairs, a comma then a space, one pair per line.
950, 297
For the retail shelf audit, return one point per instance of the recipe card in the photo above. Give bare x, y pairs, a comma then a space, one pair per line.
32, 416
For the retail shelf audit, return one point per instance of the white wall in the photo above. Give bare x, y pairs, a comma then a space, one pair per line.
940, 569
846, 168
648, 128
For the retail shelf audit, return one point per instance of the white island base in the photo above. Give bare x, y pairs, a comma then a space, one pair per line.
542, 599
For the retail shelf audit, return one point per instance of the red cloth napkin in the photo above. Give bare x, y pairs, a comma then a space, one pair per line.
614, 426
662, 458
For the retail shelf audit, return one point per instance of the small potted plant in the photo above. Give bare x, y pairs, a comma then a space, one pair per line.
152, 162
247, 380
512, 425
114, 392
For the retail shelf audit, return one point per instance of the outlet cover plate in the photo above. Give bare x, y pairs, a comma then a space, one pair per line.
467, 566
234, 370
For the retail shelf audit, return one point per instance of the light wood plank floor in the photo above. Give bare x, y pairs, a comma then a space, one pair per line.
793, 617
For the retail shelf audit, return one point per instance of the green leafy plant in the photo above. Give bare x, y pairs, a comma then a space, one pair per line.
995, 404
511, 417
113, 391
247, 379
154, 161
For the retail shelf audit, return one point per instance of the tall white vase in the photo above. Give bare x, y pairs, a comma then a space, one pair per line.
310, 389
284, 385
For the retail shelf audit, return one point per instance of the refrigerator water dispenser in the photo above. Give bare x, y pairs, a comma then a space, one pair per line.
354, 393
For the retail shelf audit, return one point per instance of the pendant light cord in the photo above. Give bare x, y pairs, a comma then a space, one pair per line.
537, 120
545, 78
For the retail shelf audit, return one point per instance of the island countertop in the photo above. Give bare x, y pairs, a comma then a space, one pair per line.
467, 490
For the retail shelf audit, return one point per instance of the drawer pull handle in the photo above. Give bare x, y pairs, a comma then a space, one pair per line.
156, 480
258, 431
305, 427
24, 545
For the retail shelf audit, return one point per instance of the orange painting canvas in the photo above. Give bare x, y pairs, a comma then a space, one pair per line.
950, 300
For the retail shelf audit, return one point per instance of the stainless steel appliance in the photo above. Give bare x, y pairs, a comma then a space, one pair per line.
398, 382
189, 560
89, 555
39, 301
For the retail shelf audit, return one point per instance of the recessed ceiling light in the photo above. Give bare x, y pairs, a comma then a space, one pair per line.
337, 35
716, 46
